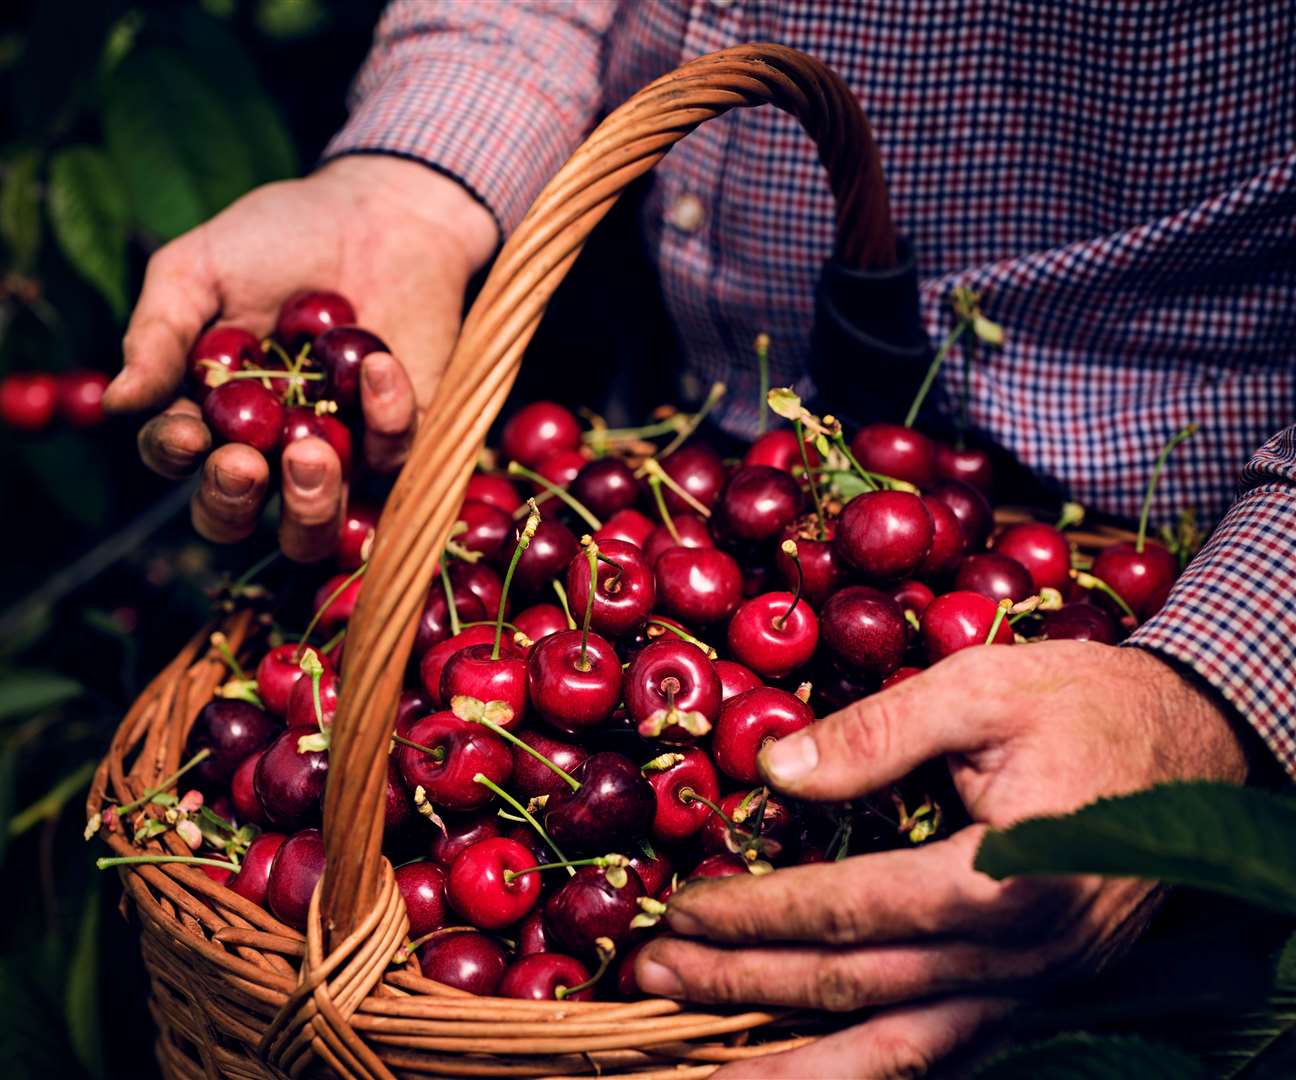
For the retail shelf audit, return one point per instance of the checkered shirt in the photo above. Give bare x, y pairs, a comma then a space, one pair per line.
1117, 180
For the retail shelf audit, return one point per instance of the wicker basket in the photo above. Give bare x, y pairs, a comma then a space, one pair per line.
235, 992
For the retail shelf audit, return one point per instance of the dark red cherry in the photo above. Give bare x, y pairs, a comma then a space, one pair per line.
614, 805
885, 534
461, 832
1080, 621
411, 706
699, 471
899, 676
494, 489
539, 976
627, 985
969, 506
434, 622
628, 525
749, 721
679, 817
588, 907
433, 662
490, 529
994, 575
772, 635
231, 730
288, 782
532, 778
301, 701
822, 569
355, 538
560, 468
571, 689
671, 678
913, 596
340, 351
342, 605
698, 585
1141, 578
479, 580
606, 486
472, 672
469, 749
864, 630
306, 315
244, 411
303, 422
1042, 549
532, 937
778, 449
539, 429
297, 867
253, 877
969, 466
28, 400
540, 620
775, 824
734, 678
626, 589
246, 806
948, 541
654, 871
691, 530
466, 960
719, 866
398, 807
959, 620
758, 503
80, 397
479, 891
552, 549
896, 451
422, 886
221, 350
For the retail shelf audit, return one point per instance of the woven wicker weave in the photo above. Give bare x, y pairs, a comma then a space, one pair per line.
235, 992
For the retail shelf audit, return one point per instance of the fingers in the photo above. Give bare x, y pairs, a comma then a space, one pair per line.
225, 506
177, 299
312, 500
954, 707
903, 1042
174, 442
390, 416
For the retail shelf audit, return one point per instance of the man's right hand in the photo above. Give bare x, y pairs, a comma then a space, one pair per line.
399, 240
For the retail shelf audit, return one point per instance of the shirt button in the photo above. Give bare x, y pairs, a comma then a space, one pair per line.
686, 213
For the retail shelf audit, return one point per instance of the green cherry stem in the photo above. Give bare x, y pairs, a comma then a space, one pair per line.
762, 366
606, 956
1001, 613
839, 440
565, 864
934, 368
436, 753
669, 426
684, 635
1175, 440
333, 642
592, 555
789, 549
1087, 580
450, 600
509, 737
562, 602
799, 428
220, 643
187, 860
688, 795
257, 568
487, 782
514, 469
126, 808
652, 467
524, 542
713, 397
347, 582
655, 483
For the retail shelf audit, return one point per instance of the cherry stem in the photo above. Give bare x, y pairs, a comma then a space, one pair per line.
688, 795
670, 425
684, 635
508, 736
592, 554
1087, 580
490, 622
450, 600
347, 582
487, 782
652, 467
655, 483
798, 427
615, 579
714, 395
562, 602
840, 441
220, 643
565, 864
762, 365
444, 931
523, 542
201, 756
257, 568
790, 550
1175, 440
934, 368
561, 993
670, 686
333, 642
1000, 613
187, 860
437, 753
514, 469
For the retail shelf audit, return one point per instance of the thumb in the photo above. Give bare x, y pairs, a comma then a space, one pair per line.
881, 738
177, 300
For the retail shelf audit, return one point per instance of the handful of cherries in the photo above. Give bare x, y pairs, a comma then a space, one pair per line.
619, 627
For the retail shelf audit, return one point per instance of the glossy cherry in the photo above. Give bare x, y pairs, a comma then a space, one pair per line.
896, 451
614, 804
588, 907
540, 620
778, 449
28, 400
398, 807
749, 721
960, 620
433, 662
758, 503
774, 634
969, 466
776, 822
80, 397
342, 604
231, 730
253, 877
654, 871
301, 701
489, 531
698, 470
474, 672
864, 631
628, 525
494, 489
479, 580
538, 429
539, 976
550, 553
560, 468
626, 589
469, 749
899, 676
734, 678
606, 486
246, 806
461, 832
532, 778
822, 569
885, 534
218, 351
355, 537
574, 688
1142, 578
913, 596
306, 315
479, 891
994, 575
340, 352
719, 866
1080, 621
1042, 549
297, 867
969, 506
690, 531
410, 706
422, 886
678, 816
434, 624
672, 678
464, 959
303, 422
698, 585
532, 937
289, 783
948, 541
244, 411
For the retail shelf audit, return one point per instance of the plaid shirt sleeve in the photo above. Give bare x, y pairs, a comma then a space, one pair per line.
495, 95
1231, 617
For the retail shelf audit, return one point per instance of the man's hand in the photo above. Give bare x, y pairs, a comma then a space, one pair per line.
938, 948
397, 239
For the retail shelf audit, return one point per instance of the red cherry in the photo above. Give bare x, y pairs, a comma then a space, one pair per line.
461, 832
678, 818
1042, 549
244, 411
1141, 578
422, 886
301, 701
277, 674
410, 706
994, 575
398, 807
772, 636
356, 536
749, 721
913, 596
306, 315
494, 490
571, 691
896, 451
734, 678
297, 867
613, 805
669, 677
778, 449
899, 676
343, 606
532, 778
472, 672
532, 938
552, 549
606, 486
691, 530
588, 907
698, 585
540, 620
969, 506
719, 866
538, 977
948, 541
699, 471
340, 352
560, 468
628, 525
654, 872
968, 466
885, 534
288, 782
433, 662
434, 624
28, 401
81, 397
864, 630
822, 569
626, 591
230, 731
758, 503
469, 749
302, 422
1080, 621
959, 620
740, 807
253, 878
478, 890
539, 429
489, 529
627, 985
229, 348
465, 960
243, 796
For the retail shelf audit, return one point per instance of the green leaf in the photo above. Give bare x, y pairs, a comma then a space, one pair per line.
51, 804
290, 18
73, 475
1236, 841
23, 693
81, 996
1089, 1057
90, 213
20, 222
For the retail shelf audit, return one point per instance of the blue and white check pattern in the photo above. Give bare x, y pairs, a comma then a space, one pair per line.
1117, 180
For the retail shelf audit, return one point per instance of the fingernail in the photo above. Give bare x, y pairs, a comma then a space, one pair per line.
232, 484
307, 476
378, 376
790, 759
655, 978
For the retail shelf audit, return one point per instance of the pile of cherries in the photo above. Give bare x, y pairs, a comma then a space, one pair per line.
613, 638
31, 401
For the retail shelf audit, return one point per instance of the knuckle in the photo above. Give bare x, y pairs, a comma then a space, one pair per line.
865, 733
901, 1057
836, 986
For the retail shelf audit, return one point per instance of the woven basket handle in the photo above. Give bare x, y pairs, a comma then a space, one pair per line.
425, 501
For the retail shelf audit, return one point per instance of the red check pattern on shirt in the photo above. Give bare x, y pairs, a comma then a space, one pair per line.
1117, 180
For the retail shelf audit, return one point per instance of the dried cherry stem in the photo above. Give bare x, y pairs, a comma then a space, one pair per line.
449, 595
563, 603
789, 549
126, 808
606, 954
655, 485
592, 554
652, 467
186, 860
762, 366
684, 635
1001, 613
1087, 580
436, 753
347, 582
524, 542
964, 324
714, 395
487, 782
514, 469
799, 428
1175, 440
